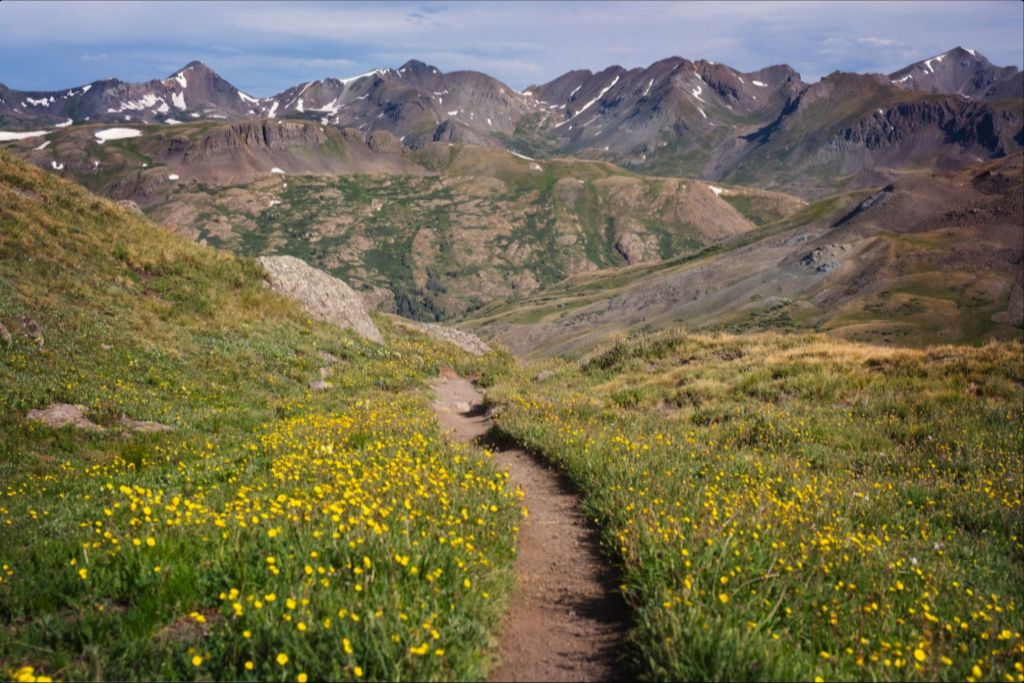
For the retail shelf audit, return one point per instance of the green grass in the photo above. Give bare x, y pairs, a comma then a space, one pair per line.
784, 507
138, 556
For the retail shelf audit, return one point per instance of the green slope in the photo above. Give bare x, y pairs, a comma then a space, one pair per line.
269, 520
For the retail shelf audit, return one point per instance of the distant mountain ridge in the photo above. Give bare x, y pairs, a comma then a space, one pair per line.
674, 117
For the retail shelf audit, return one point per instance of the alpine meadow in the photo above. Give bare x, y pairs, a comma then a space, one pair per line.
572, 372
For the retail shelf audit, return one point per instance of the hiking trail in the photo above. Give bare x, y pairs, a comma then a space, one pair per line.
566, 620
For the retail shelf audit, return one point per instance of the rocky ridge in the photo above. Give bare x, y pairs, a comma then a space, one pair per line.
674, 117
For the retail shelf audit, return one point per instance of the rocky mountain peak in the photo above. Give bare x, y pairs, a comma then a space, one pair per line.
960, 71
968, 53
415, 66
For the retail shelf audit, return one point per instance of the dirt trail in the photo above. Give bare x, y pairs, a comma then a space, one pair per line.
566, 621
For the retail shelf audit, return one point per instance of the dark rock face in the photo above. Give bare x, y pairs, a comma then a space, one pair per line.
968, 124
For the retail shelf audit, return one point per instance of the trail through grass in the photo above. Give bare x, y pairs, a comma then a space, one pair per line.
786, 507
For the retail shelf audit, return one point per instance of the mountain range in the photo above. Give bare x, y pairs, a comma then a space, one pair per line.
675, 117
597, 202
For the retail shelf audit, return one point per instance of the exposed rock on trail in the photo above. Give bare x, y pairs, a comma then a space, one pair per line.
566, 621
325, 297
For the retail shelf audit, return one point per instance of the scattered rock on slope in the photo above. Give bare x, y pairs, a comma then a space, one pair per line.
324, 297
467, 341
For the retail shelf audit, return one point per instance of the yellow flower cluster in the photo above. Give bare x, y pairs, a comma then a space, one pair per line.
356, 543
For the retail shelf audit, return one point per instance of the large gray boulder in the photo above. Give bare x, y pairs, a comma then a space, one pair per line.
323, 296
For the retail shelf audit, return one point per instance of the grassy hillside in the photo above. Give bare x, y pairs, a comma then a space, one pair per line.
796, 507
272, 533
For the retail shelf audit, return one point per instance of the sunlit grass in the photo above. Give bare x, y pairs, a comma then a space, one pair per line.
786, 507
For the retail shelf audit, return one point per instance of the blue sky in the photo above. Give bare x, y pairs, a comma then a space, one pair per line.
265, 47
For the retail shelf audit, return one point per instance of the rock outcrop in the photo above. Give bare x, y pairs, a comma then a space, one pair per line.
325, 297
59, 415
251, 135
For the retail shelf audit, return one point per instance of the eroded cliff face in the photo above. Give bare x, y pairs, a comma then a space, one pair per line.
254, 135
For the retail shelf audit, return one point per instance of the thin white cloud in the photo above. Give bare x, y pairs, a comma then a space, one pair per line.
880, 42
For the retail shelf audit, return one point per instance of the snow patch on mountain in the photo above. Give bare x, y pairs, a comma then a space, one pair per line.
147, 101
7, 136
591, 102
353, 79
928, 62
329, 108
116, 134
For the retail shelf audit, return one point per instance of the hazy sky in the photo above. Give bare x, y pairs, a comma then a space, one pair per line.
264, 47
